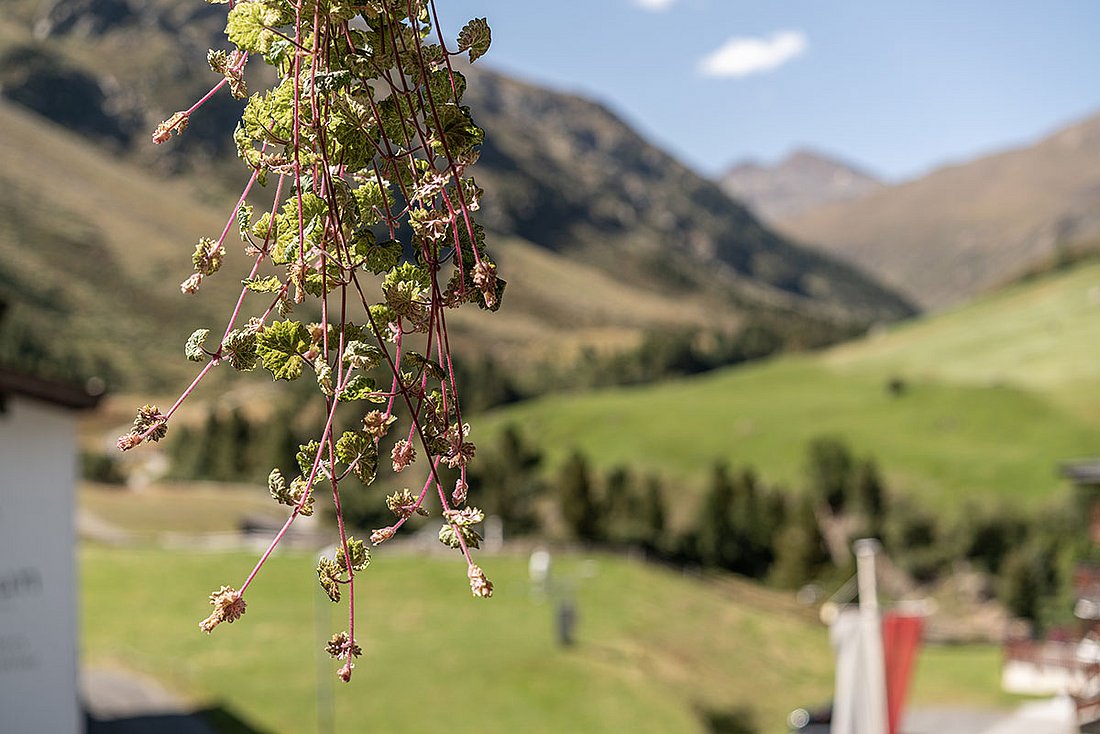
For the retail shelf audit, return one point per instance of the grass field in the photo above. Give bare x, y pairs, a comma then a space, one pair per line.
994, 396
654, 648
1042, 336
656, 651
181, 507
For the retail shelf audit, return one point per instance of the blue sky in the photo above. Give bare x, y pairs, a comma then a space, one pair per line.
895, 87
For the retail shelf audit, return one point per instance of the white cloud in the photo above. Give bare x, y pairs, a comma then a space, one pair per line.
655, 5
740, 57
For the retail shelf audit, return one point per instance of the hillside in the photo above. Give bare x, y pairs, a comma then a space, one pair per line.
92, 250
567, 174
992, 396
802, 181
604, 236
965, 228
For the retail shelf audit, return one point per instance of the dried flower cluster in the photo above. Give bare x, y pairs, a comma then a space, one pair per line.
228, 607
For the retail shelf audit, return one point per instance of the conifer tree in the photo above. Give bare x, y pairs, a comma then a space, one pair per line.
871, 496
653, 517
579, 508
716, 539
800, 552
829, 471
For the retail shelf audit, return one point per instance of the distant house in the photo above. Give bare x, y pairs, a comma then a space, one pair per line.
1069, 666
38, 592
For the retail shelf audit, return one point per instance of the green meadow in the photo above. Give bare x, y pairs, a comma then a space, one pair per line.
989, 399
655, 651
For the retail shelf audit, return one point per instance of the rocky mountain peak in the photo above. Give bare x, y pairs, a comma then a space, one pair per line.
804, 179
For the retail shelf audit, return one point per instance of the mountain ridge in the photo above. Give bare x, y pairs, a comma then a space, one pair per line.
553, 157
803, 179
971, 226
572, 192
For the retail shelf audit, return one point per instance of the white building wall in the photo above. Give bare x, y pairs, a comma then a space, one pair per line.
38, 601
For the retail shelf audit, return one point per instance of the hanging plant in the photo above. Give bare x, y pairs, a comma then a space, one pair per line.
367, 145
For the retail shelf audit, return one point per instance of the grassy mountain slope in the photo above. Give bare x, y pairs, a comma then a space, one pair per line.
556, 305
965, 228
569, 175
1040, 335
92, 250
608, 237
994, 395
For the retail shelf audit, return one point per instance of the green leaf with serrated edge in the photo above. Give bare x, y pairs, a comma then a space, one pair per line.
360, 387
260, 227
278, 53
456, 128
358, 247
193, 349
449, 537
280, 346
358, 451
312, 221
392, 119
440, 88
351, 445
307, 452
239, 347
404, 287
373, 201
381, 316
383, 257
270, 284
270, 116
475, 36
359, 553
362, 355
276, 485
244, 26
244, 218
328, 574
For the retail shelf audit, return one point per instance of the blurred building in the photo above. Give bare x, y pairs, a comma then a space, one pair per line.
38, 591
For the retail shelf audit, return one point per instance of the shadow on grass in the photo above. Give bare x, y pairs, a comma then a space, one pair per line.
216, 720
737, 720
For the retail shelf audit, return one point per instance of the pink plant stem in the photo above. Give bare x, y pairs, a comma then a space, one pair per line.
179, 401
419, 500
259, 259
225, 80
207, 96
301, 503
190, 388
